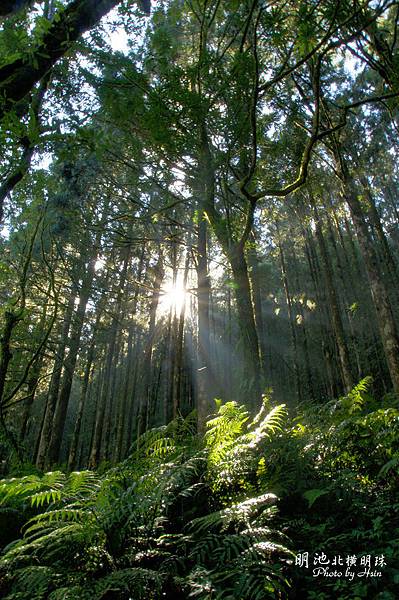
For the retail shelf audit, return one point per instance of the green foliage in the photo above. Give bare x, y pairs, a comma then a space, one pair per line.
50, 488
356, 398
336, 472
214, 517
234, 444
155, 524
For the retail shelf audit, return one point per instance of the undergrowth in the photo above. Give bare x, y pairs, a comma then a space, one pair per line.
222, 517
174, 520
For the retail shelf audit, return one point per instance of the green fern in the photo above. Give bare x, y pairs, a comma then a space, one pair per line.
51, 488
16, 490
234, 443
224, 429
33, 582
354, 401
141, 528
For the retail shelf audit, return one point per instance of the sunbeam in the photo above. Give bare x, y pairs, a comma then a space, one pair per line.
173, 296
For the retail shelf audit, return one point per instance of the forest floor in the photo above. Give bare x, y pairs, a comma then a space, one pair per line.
277, 506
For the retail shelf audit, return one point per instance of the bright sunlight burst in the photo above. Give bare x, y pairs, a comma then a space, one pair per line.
173, 296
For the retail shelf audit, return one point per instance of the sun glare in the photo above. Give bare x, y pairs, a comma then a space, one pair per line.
173, 296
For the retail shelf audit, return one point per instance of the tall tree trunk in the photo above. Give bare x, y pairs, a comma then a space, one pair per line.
347, 296
58, 424
246, 320
229, 347
170, 350
130, 369
148, 352
302, 324
380, 294
204, 369
93, 454
125, 391
82, 398
343, 351
178, 387
103, 405
388, 259
33, 378
316, 277
52, 396
134, 399
109, 432
171, 345
253, 263
290, 314
235, 252
11, 319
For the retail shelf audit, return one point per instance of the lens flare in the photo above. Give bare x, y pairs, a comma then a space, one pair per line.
173, 296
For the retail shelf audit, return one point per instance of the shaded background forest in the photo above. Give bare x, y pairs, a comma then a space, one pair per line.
209, 211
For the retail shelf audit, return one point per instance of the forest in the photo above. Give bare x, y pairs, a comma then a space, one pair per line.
199, 319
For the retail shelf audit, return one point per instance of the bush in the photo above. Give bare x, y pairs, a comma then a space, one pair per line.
173, 520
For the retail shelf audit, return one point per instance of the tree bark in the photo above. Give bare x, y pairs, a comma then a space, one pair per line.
148, 352
103, 406
347, 296
171, 345
303, 326
247, 326
315, 272
254, 274
11, 321
109, 431
34, 374
69, 366
290, 315
82, 398
343, 351
178, 385
127, 388
385, 319
204, 366
235, 252
388, 259
45, 434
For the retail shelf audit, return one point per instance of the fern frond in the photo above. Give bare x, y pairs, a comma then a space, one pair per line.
82, 483
269, 424
53, 539
33, 582
65, 514
40, 489
139, 583
210, 521
45, 497
357, 397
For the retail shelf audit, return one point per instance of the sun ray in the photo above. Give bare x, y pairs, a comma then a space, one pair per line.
173, 296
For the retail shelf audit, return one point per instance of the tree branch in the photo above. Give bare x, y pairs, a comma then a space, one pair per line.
18, 78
